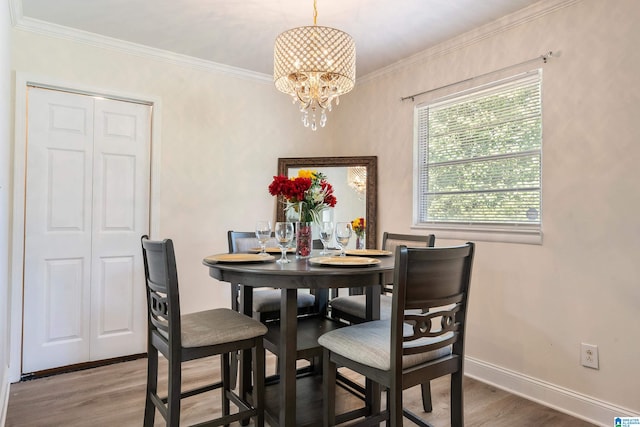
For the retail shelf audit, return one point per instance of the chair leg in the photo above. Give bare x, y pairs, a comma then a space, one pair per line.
244, 377
315, 364
226, 379
173, 395
328, 390
388, 418
426, 397
395, 406
373, 392
152, 386
457, 401
235, 357
259, 375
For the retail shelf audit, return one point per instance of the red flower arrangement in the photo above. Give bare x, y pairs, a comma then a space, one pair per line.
309, 191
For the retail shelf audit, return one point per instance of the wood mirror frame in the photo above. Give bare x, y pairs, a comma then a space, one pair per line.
371, 195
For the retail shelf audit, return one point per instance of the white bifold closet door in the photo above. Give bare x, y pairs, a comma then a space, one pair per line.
87, 204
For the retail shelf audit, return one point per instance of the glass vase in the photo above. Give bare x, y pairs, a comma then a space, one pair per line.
360, 241
303, 240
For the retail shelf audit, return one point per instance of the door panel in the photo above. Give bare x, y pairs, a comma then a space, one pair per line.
116, 285
118, 190
120, 217
63, 300
87, 204
67, 209
57, 261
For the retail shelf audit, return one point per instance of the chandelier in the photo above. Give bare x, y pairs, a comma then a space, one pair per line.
357, 178
315, 65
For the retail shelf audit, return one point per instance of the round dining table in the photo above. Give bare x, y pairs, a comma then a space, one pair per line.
299, 274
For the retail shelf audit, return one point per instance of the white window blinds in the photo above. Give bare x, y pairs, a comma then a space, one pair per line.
479, 156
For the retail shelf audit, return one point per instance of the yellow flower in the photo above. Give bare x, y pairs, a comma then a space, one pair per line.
359, 225
306, 173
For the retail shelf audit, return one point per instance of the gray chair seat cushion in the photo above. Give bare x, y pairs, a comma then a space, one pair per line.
369, 343
355, 305
269, 300
218, 326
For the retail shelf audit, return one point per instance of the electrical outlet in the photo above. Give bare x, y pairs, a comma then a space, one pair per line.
589, 355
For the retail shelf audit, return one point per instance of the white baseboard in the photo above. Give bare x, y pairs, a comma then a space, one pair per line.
561, 399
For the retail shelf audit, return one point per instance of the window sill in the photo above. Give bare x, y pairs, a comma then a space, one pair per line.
486, 234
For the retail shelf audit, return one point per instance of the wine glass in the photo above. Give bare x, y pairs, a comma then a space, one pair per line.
284, 236
263, 234
343, 234
326, 234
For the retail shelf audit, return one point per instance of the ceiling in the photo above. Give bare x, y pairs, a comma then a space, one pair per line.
242, 33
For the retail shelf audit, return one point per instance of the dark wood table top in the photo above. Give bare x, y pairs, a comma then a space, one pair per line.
298, 274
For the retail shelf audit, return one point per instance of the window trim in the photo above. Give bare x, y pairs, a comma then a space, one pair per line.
510, 233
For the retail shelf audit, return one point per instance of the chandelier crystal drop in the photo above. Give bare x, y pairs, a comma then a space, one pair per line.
315, 65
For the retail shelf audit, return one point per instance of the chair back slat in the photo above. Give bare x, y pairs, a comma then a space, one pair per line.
241, 241
245, 244
390, 241
163, 304
433, 285
432, 324
245, 241
434, 282
159, 311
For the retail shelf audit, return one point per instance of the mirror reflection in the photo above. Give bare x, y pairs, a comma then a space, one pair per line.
351, 202
354, 183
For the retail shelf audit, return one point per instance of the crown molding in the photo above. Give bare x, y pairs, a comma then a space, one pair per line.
58, 31
474, 36
501, 25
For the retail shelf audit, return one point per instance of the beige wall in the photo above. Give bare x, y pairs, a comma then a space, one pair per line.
220, 138
531, 305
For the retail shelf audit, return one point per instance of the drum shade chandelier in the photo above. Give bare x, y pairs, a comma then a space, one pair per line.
315, 65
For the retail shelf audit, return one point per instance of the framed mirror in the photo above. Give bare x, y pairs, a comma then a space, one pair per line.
354, 180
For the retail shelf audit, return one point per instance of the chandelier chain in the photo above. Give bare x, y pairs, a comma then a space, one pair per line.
315, 12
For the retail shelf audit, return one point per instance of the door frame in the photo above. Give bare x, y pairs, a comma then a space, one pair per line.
23, 81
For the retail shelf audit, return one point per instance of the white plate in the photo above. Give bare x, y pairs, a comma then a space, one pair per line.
341, 261
368, 252
239, 258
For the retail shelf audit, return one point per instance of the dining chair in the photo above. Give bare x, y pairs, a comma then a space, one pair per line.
266, 302
352, 308
180, 338
423, 339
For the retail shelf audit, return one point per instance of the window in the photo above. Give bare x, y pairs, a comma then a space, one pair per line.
478, 159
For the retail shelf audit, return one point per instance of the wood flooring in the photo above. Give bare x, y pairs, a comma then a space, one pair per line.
113, 395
